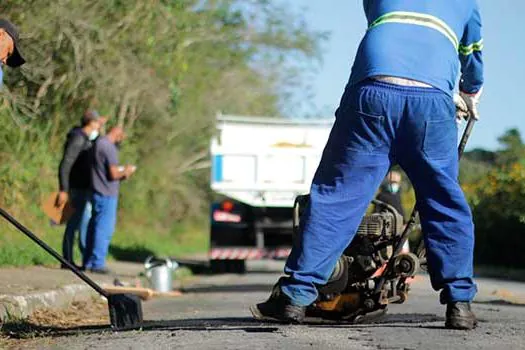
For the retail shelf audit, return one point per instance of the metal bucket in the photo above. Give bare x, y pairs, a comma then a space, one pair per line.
159, 272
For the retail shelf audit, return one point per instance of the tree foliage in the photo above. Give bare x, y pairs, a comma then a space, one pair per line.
494, 183
497, 196
160, 68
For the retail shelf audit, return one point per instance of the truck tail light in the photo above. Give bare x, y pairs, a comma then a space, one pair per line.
227, 206
224, 216
224, 213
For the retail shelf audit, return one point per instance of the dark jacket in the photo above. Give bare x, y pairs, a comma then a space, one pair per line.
394, 199
75, 168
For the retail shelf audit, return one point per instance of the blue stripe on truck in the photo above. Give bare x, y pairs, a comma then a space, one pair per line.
216, 168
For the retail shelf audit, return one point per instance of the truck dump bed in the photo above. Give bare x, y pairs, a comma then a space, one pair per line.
266, 162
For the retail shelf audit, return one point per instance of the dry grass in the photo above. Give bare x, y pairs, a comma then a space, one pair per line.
44, 324
79, 313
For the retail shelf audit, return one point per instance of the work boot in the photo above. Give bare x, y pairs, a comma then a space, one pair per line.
460, 316
278, 308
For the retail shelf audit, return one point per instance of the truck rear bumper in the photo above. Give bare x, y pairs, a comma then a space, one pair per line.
242, 253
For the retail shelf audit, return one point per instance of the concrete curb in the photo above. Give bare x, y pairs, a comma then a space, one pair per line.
20, 306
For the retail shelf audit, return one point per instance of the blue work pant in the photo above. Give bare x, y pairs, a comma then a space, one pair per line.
101, 229
379, 124
79, 221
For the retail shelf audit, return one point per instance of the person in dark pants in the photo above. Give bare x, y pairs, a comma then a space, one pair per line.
106, 176
74, 177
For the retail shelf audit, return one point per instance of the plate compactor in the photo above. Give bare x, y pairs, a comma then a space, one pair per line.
373, 271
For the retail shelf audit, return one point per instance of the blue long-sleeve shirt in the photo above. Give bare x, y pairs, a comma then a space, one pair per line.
421, 40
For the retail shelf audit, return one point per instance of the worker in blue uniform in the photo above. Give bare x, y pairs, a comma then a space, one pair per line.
397, 108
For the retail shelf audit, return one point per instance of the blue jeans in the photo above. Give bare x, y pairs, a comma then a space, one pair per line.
101, 228
379, 124
79, 221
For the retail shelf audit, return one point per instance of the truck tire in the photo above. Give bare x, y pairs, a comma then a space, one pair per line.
217, 266
240, 266
228, 266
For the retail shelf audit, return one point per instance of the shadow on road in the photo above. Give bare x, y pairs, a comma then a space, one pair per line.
229, 288
408, 318
25, 330
388, 320
246, 324
202, 266
225, 324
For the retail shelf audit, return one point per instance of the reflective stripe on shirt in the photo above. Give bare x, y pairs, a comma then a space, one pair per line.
466, 50
420, 19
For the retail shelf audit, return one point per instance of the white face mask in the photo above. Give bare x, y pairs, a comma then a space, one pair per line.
394, 187
94, 134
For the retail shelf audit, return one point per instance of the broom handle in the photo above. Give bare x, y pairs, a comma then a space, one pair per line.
52, 252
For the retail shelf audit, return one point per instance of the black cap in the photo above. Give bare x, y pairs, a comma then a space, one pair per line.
16, 59
90, 115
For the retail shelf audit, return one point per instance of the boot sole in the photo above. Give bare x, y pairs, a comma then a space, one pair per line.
461, 324
256, 313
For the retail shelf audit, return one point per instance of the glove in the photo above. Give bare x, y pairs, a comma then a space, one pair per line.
461, 109
472, 101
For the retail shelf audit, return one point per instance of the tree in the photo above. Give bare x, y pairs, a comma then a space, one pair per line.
513, 147
160, 68
497, 196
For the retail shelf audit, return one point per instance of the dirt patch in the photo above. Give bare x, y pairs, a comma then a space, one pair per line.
503, 296
79, 313
49, 323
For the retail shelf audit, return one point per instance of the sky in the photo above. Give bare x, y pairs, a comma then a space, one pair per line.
503, 102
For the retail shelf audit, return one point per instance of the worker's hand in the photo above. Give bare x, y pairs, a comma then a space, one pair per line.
61, 199
461, 108
472, 101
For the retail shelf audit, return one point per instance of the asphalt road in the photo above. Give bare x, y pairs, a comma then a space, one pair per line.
213, 314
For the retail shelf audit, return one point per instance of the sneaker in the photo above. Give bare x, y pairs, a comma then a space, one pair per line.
278, 308
460, 316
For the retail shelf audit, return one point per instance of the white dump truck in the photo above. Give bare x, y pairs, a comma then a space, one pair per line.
259, 166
